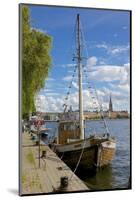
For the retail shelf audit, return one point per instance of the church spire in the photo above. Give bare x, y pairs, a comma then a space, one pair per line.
110, 104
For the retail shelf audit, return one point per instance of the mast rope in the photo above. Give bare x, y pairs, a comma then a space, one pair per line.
102, 114
65, 105
99, 104
80, 157
69, 89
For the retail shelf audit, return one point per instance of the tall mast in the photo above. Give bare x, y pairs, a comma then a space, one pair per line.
79, 58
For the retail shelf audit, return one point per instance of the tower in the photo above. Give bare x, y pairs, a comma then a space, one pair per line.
110, 104
110, 108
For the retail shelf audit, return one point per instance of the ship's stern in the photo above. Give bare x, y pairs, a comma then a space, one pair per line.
106, 152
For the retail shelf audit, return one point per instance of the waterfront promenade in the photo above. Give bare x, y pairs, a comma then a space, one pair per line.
47, 178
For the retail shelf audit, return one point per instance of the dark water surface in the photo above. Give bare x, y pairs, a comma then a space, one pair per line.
116, 175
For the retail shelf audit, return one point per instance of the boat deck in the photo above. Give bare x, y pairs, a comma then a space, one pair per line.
46, 179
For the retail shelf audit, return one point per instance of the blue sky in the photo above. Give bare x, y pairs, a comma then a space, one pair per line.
107, 38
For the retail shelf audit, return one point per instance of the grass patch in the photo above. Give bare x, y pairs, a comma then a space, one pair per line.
24, 179
30, 158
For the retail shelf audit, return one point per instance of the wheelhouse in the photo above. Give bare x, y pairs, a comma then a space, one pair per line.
68, 132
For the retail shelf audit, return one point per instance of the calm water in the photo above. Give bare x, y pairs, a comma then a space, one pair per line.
116, 175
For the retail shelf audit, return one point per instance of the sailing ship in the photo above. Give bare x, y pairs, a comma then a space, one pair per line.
77, 151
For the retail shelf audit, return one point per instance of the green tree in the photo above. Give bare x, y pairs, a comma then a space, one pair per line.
36, 61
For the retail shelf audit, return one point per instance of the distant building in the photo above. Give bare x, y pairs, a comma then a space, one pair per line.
52, 116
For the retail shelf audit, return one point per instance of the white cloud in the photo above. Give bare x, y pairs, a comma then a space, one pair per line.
50, 79
110, 73
68, 65
102, 62
124, 88
103, 45
117, 83
120, 97
75, 85
113, 49
92, 61
114, 79
39, 30
47, 90
52, 94
49, 103
71, 65
106, 73
118, 49
67, 78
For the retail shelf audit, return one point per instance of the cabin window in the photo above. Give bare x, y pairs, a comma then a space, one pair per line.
72, 127
66, 127
69, 127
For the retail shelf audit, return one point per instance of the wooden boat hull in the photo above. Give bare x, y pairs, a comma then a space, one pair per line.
94, 155
87, 162
106, 153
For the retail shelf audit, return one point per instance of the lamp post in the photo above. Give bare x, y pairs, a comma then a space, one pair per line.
38, 132
39, 148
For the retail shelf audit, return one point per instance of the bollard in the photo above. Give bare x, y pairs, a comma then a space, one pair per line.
64, 182
37, 143
44, 153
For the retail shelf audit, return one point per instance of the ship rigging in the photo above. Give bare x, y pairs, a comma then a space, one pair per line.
77, 151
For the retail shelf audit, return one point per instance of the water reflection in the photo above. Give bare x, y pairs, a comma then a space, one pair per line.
116, 175
100, 180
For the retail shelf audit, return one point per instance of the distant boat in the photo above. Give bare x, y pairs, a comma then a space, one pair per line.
72, 146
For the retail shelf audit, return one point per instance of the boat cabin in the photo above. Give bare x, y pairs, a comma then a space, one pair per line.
68, 131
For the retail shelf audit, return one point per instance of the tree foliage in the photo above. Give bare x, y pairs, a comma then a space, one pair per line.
36, 61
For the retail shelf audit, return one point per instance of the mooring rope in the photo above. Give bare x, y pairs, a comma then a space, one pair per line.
78, 161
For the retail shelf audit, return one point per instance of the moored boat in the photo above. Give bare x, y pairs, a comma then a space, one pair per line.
93, 152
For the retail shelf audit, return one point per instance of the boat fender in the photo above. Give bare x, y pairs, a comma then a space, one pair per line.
44, 154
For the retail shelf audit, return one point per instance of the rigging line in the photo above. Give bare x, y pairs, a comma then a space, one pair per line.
67, 97
78, 160
101, 112
87, 55
89, 87
75, 125
62, 155
47, 100
87, 75
71, 40
70, 86
84, 41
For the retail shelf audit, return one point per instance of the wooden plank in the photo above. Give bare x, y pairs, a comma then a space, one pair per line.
45, 179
